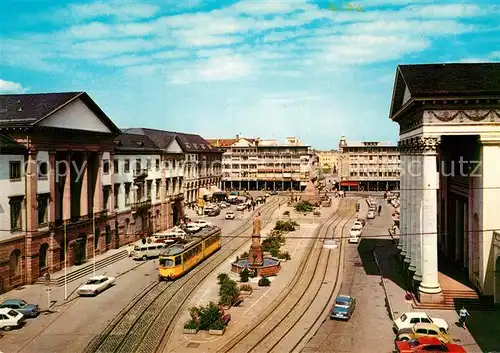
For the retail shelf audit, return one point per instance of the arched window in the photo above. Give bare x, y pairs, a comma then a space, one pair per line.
108, 234
42, 257
15, 262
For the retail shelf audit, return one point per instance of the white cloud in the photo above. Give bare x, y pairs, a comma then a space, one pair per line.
444, 11
130, 60
221, 68
98, 30
120, 9
11, 87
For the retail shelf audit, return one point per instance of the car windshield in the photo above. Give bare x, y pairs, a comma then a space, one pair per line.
13, 313
403, 318
137, 248
341, 302
166, 263
22, 304
93, 281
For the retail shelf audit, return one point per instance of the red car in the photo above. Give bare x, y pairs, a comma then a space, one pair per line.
428, 345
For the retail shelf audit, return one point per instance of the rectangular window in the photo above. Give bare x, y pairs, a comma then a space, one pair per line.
178, 260
15, 170
105, 166
148, 164
15, 215
158, 186
106, 194
149, 187
42, 168
127, 194
43, 203
126, 166
117, 193
138, 165
157, 164
116, 169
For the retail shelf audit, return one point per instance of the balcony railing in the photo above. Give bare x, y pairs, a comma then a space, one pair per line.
140, 173
140, 205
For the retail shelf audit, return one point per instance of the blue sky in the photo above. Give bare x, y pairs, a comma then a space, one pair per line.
258, 68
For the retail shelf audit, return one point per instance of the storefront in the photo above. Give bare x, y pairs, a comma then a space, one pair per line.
349, 185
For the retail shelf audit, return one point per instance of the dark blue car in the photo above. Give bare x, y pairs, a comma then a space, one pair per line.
343, 308
28, 310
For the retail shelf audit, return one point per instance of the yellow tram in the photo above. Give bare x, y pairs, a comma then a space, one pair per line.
178, 259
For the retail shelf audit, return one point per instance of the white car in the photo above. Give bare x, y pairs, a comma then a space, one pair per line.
193, 228
229, 215
10, 318
407, 320
201, 223
96, 285
370, 215
354, 234
358, 224
241, 207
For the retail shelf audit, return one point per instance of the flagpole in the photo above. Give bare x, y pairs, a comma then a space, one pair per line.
65, 264
94, 242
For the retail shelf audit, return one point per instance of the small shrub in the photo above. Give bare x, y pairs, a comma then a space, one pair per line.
253, 273
245, 255
191, 325
304, 206
246, 287
244, 275
222, 277
228, 292
210, 316
264, 282
284, 226
217, 325
286, 213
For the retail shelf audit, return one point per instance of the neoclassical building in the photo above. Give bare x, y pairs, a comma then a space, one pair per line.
449, 119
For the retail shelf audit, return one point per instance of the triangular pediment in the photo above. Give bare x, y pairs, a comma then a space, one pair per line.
174, 147
242, 142
77, 116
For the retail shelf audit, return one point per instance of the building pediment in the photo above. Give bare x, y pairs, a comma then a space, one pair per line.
242, 142
77, 116
174, 147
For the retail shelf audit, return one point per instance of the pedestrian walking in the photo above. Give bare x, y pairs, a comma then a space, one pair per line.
463, 317
379, 209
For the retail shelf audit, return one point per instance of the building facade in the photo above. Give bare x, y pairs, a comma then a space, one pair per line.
256, 164
368, 166
449, 120
201, 163
66, 166
328, 160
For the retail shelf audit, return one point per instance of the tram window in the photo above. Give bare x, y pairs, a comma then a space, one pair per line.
178, 260
166, 263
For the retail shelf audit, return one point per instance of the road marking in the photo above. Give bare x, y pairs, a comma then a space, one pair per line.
263, 295
294, 251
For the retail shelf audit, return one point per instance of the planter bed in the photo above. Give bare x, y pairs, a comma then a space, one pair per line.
217, 332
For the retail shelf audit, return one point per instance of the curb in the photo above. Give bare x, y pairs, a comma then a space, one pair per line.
382, 280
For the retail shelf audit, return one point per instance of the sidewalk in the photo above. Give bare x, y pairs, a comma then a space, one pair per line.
386, 254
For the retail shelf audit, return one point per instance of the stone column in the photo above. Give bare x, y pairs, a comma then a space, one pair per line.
52, 187
111, 197
409, 209
402, 207
32, 217
84, 193
430, 290
414, 211
98, 193
67, 188
417, 236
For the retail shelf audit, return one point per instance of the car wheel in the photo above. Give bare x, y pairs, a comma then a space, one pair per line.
7, 328
144, 257
404, 339
95, 293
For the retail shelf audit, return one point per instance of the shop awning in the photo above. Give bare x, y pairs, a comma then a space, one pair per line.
349, 183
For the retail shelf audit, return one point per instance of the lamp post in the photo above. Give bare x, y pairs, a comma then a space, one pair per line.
65, 264
94, 238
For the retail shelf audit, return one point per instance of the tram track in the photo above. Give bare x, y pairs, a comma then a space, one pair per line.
268, 330
141, 326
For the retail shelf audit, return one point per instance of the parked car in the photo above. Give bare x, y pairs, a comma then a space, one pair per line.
362, 221
422, 330
28, 310
148, 250
241, 207
10, 318
355, 234
96, 285
370, 214
214, 212
192, 227
408, 320
202, 223
229, 215
427, 344
358, 224
343, 308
